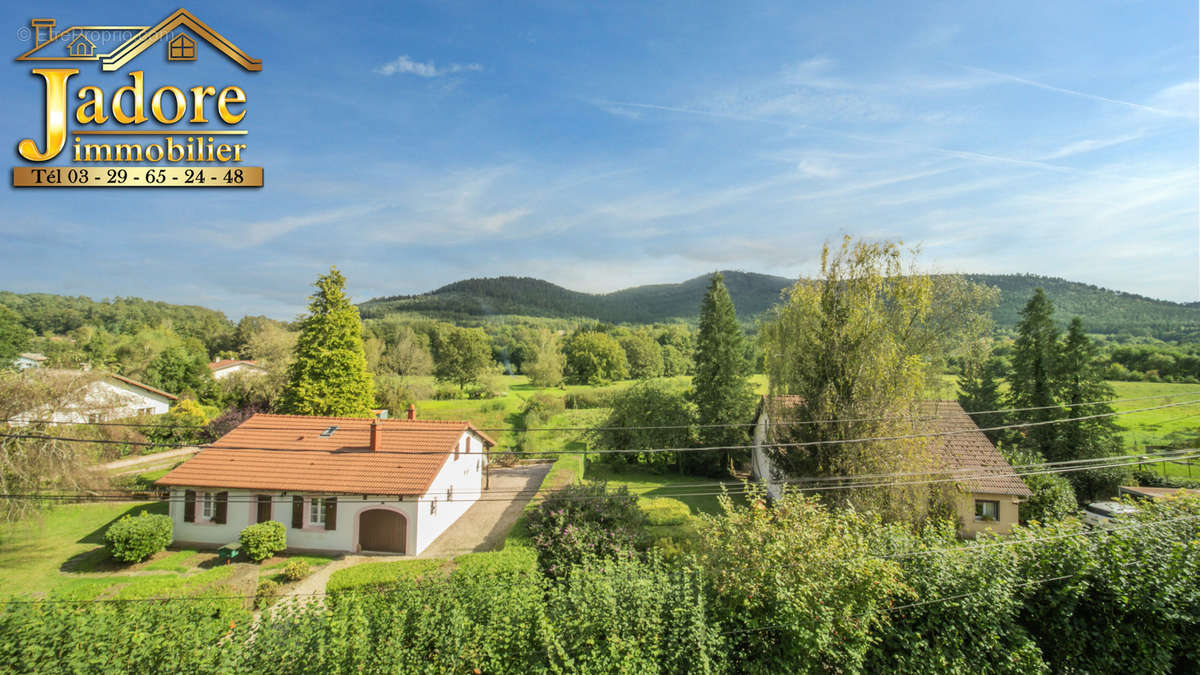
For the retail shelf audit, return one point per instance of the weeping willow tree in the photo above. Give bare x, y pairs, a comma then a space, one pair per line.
851, 355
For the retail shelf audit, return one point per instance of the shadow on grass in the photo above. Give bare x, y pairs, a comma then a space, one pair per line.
96, 536
97, 559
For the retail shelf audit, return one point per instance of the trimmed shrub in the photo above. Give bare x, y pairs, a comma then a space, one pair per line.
664, 510
296, 570
263, 540
135, 539
266, 593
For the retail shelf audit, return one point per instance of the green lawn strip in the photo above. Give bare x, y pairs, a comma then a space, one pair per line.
380, 575
312, 560
209, 582
699, 493
175, 561
40, 553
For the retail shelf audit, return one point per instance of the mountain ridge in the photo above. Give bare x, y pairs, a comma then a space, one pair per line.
1103, 310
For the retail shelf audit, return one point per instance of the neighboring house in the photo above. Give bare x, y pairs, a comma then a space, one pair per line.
336, 483
226, 367
29, 360
99, 397
989, 494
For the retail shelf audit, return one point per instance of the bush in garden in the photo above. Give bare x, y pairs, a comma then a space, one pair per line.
664, 510
798, 586
135, 539
263, 540
584, 521
295, 570
266, 593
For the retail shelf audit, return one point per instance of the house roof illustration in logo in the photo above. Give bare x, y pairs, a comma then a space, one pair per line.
73, 44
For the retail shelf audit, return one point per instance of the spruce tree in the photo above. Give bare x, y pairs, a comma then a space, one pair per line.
1034, 369
721, 387
329, 375
979, 390
1080, 380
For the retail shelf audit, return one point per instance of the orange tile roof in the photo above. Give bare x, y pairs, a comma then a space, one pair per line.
287, 452
964, 448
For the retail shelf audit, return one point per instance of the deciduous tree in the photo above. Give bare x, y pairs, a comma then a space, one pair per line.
461, 355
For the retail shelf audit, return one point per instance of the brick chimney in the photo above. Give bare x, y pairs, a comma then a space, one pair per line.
43, 31
412, 412
376, 435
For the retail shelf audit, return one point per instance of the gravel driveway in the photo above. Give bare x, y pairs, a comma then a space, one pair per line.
485, 525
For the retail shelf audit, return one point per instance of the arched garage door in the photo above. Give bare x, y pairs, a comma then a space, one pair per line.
382, 530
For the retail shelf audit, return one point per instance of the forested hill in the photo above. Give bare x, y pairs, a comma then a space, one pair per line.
1103, 310
752, 294
49, 314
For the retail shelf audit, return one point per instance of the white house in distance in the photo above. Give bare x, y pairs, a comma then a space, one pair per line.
28, 360
98, 397
226, 367
336, 483
989, 493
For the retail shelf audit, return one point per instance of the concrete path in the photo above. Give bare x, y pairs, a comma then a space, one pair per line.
485, 525
143, 463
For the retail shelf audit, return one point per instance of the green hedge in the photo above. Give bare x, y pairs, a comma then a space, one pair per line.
263, 540
664, 511
135, 539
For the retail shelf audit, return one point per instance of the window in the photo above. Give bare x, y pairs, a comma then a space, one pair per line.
468, 445
456, 447
987, 510
450, 493
433, 507
181, 48
206, 507
478, 464
145, 411
316, 511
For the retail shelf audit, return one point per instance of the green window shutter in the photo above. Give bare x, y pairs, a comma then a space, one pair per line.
220, 508
189, 506
297, 512
331, 513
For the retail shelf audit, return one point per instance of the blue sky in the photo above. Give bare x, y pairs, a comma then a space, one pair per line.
598, 147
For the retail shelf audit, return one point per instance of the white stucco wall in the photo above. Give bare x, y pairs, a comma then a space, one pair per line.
760, 465
106, 399
463, 474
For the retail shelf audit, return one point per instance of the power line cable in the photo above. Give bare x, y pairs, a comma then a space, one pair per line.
596, 451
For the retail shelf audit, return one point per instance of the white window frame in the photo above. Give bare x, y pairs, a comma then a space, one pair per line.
316, 507
208, 505
982, 517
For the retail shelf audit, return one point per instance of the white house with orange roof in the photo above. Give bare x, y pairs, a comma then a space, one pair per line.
336, 483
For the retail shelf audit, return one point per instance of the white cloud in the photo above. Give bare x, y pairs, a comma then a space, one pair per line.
406, 66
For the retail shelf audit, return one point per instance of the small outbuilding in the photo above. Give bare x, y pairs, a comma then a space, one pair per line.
989, 492
336, 483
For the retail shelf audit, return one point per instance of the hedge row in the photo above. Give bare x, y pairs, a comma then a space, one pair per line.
790, 589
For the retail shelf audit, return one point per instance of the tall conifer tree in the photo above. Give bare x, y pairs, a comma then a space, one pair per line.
1034, 369
329, 375
720, 388
1080, 381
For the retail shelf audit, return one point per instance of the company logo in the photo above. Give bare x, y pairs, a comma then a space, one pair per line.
190, 150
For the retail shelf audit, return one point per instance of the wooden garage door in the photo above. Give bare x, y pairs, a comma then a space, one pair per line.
382, 530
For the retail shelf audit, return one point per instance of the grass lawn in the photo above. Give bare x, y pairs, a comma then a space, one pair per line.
61, 552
